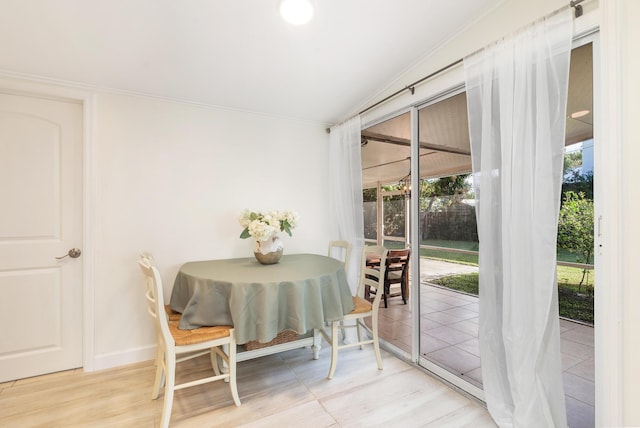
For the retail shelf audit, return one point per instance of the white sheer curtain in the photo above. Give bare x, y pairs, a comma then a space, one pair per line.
345, 190
516, 97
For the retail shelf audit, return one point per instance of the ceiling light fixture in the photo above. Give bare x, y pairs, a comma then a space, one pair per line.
404, 185
578, 114
296, 12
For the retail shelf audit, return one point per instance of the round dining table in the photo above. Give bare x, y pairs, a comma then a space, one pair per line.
301, 292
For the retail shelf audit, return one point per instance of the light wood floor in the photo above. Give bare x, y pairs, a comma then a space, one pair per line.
285, 390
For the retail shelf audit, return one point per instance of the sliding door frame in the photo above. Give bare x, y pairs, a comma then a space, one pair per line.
450, 83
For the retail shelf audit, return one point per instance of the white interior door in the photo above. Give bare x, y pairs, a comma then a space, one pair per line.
40, 219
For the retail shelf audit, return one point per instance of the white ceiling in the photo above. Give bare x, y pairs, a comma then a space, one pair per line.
234, 53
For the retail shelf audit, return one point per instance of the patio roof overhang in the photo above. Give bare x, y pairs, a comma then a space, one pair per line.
444, 136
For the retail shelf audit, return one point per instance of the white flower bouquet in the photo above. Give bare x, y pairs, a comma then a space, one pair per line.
262, 226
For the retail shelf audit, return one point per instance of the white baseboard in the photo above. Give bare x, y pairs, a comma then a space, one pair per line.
122, 358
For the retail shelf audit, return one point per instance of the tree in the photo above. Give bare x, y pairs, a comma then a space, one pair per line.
455, 186
578, 182
440, 203
572, 160
370, 213
575, 227
394, 216
393, 220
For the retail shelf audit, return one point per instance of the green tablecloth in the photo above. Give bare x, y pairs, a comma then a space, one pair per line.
301, 292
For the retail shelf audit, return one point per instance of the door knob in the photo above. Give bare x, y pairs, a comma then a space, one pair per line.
74, 253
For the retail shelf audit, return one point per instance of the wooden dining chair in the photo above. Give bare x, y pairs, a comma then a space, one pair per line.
178, 345
173, 315
340, 250
373, 278
396, 279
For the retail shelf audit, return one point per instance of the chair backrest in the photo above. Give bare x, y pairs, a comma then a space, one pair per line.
397, 262
147, 256
373, 276
340, 250
147, 259
155, 300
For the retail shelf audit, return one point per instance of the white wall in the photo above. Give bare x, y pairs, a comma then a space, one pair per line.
621, 56
172, 179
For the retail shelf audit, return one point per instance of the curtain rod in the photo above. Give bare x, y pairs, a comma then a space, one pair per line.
578, 9
411, 88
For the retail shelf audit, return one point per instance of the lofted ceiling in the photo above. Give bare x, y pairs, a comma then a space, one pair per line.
238, 54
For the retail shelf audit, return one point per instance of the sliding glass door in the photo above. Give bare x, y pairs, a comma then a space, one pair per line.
386, 154
448, 290
442, 312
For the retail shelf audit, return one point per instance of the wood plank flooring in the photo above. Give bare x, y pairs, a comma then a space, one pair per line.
284, 390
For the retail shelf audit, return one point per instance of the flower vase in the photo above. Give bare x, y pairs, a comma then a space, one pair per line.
268, 251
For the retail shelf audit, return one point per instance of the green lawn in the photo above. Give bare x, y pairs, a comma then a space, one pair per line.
467, 259
573, 303
563, 255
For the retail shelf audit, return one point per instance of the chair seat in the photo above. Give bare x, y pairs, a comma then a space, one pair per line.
173, 315
197, 335
360, 306
394, 276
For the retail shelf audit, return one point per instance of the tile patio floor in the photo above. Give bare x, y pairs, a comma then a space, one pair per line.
449, 338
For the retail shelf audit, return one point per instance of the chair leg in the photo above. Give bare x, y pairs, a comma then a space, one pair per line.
334, 348
376, 341
384, 296
157, 384
168, 389
359, 333
403, 289
215, 361
232, 373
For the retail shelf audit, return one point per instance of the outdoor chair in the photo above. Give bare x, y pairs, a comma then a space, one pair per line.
396, 280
